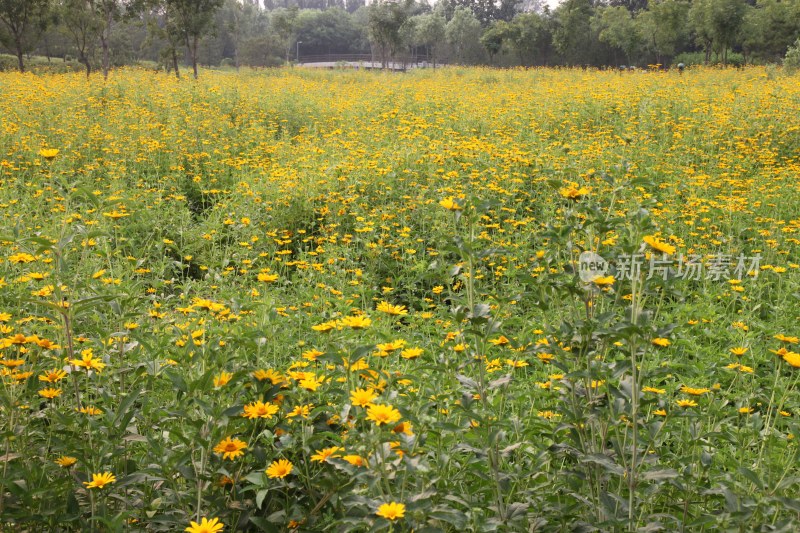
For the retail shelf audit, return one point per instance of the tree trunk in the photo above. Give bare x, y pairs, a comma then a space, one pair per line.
104, 44
194, 55
105, 35
175, 63
18, 45
85, 60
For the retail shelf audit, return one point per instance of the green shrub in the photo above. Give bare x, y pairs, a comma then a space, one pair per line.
791, 63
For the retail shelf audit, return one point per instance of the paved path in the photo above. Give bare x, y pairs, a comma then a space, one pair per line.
367, 65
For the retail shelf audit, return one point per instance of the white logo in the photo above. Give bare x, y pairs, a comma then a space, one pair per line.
591, 266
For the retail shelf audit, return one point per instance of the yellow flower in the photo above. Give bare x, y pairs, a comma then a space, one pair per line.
382, 414
404, 428
783, 338
411, 353
450, 204
603, 281
267, 278
502, 340
205, 526
653, 390
260, 409
230, 448
355, 322
279, 469
100, 480
50, 393
312, 354
659, 245
324, 327
65, 461
322, 455
386, 307
659, 341
222, 379
388, 347
274, 377
686, 403
116, 214
660, 412
738, 351
693, 391
355, 460
311, 382
21, 257
573, 192
391, 511
88, 361
745, 410
547, 415
362, 397
48, 153
300, 410
793, 359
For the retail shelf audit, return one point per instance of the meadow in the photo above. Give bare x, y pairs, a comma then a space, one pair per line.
345, 301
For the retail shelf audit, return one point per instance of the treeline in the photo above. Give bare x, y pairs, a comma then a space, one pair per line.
169, 34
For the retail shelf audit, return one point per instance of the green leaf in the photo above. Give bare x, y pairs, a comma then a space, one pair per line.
659, 474
260, 495
751, 476
453, 517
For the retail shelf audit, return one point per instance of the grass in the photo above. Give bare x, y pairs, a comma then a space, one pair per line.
315, 301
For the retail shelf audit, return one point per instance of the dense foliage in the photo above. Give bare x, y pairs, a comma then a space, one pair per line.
349, 301
171, 33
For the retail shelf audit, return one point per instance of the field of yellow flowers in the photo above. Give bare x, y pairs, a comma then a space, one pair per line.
459, 300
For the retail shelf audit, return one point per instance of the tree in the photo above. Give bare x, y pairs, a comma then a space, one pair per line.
284, 23
385, 21
82, 24
332, 31
701, 26
615, 26
792, 60
531, 37
769, 28
430, 32
162, 28
484, 10
716, 24
19, 17
573, 36
498, 33
463, 32
663, 27
191, 19
106, 11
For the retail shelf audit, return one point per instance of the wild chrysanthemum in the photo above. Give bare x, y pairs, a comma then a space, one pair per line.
205, 526
230, 448
382, 414
260, 409
658, 245
363, 397
391, 511
279, 469
100, 480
